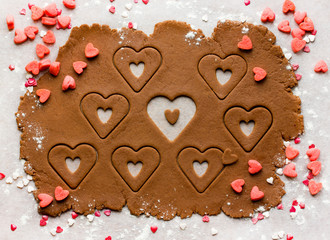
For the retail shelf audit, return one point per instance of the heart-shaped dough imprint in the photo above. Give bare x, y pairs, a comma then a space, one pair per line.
171, 117
261, 117
124, 59
124, 156
91, 105
213, 157
57, 159
209, 67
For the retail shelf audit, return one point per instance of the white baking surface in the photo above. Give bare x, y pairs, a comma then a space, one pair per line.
18, 207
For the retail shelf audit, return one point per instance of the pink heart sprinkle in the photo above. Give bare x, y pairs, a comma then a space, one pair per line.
23, 11
97, 214
31, 82
112, 9
260, 216
302, 205
206, 218
298, 76
306, 49
45, 217
280, 206
136, 1
247, 2
310, 175
295, 67
107, 212
254, 220
306, 182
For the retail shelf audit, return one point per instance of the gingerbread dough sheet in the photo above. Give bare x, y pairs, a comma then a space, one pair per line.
175, 115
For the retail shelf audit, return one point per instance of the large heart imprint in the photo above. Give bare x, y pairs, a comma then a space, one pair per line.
57, 159
261, 117
94, 101
208, 66
148, 156
125, 56
212, 156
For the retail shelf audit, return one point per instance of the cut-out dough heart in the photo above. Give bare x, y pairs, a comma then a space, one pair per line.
126, 55
148, 156
262, 119
228, 157
57, 159
208, 66
93, 101
172, 116
212, 156
157, 111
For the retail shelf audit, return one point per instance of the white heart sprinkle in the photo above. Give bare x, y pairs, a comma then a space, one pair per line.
53, 232
205, 18
90, 217
29, 177
293, 215
275, 236
25, 181
15, 175
311, 38
281, 234
214, 231
124, 14
183, 226
30, 189
128, 6
71, 222
20, 184
9, 180
270, 180
279, 171
266, 214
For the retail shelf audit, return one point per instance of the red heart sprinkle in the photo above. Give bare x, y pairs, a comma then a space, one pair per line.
31, 31
295, 68
290, 170
302, 205
145, 1
254, 220
11, 67
45, 217
288, 6
289, 237
313, 154
292, 209
206, 218
48, 21
108, 238
74, 215
97, 214
2, 176
44, 64
107, 212
307, 24
49, 37
268, 15
256, 194
284, 26
298, 76
69, 3
91, 51
32, 67
42, 50
311, 146
10, 22
298, 33
43, 222
254, 166
245, 43
59, 229
260, 216
43, 95
31, 82
315, 167
259, 73
54, 68
314, 187
280, 206
44, 198
51, 10
297, 44
130, 25
61, 194
306, 182
20, 36
64, 21
294, 203
321, 66
153, 229
30, 5
112, 9
291, 153
37, 13
237, 185
299, 16
68, 83
79, 66
13, 227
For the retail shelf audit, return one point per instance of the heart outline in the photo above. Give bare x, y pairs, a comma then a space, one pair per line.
57, 160
208, 65
185, 160
151, 58
90, 113
250, 141
125, 154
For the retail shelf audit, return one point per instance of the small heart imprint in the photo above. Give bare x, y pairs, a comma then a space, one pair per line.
57, 159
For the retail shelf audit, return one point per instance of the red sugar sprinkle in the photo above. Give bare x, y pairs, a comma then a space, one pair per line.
11, 67
260, 216
280, 206
247, 2
2, 176
108, 238
45, 217
306, 182
312, 146
112, 9
294, 203
310, 175
302, 205
295, 67
130, 25
206, 218
59, 229
306, 49
297, 140
43, 223
74, 215
107, 212
254, 220
289, 237
23, 11
292, 209
13, 227
97, 214
298, 76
